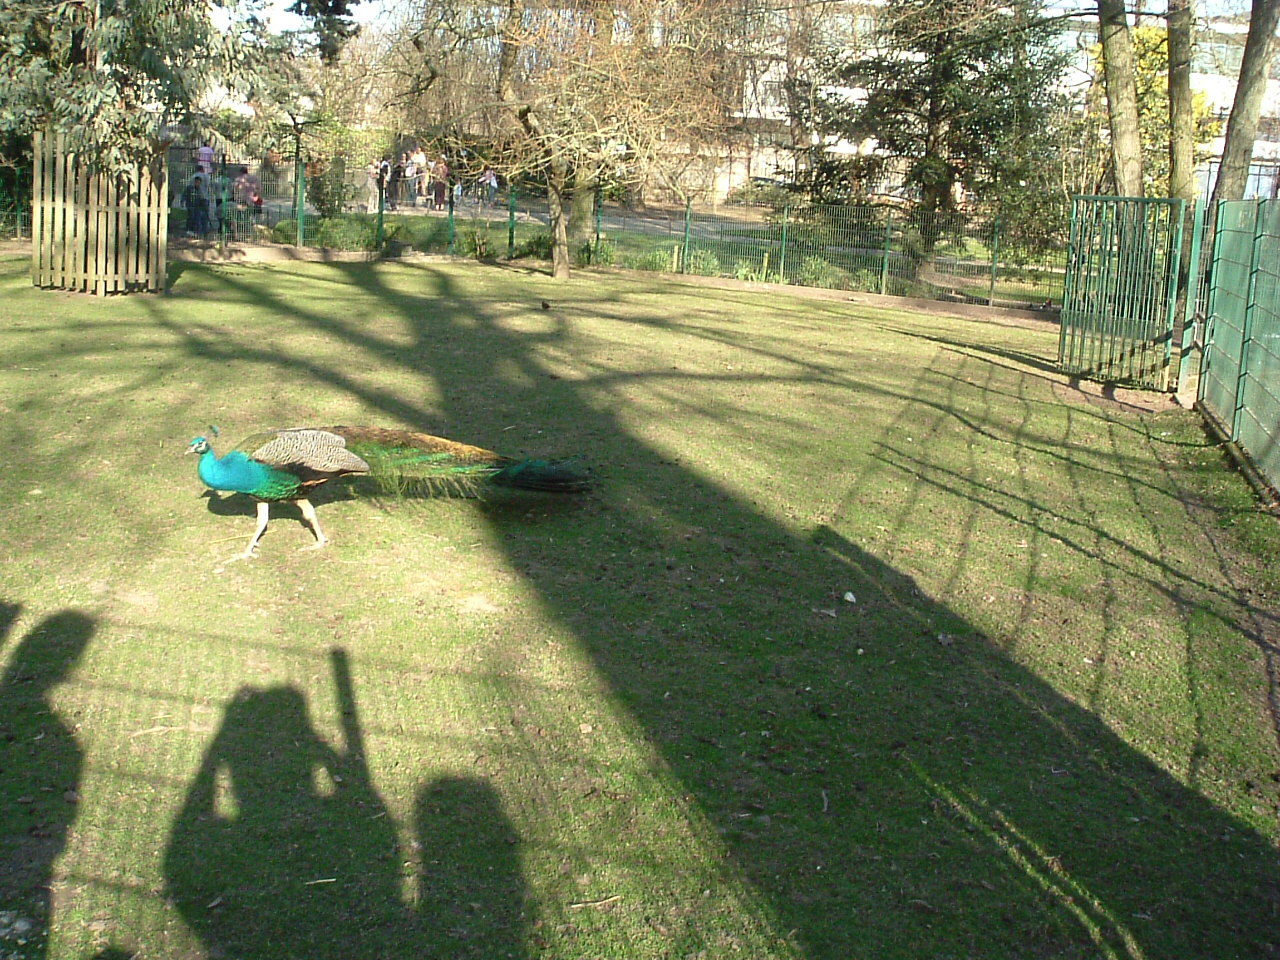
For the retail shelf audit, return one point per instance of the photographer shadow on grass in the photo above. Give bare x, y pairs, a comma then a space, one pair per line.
285, 848
41, 763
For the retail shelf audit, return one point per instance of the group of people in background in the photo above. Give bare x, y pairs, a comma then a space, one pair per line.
229, 199
417, 181
214, 198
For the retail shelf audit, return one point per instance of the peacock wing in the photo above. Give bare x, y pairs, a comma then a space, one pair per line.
304, 449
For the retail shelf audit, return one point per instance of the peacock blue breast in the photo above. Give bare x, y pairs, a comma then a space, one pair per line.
239, 473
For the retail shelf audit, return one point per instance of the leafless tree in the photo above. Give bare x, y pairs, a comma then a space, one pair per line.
570, 91
1242, 125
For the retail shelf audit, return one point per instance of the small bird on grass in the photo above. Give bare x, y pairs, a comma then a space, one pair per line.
287, 465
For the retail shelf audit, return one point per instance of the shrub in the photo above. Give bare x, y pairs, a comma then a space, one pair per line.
816, 272
537, 246
341, 233
702, 263
750, 270
286, 231
328, 191
600, 254
657, 260
474, 241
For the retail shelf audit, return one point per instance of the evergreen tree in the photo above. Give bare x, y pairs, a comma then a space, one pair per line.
952, 93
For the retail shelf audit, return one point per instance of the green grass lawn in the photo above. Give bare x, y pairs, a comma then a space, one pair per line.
877, 638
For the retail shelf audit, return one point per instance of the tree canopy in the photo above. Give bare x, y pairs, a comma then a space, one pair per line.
119, 77
950, 94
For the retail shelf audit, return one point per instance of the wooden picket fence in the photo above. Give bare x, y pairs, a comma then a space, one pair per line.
96, 233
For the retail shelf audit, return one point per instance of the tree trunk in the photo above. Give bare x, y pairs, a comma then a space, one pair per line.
582, 212
557, 183
1182, 135
1122, 97
1182, 182
1242, 127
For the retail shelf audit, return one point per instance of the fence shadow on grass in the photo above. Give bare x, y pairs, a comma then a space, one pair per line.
40, 767
890, 781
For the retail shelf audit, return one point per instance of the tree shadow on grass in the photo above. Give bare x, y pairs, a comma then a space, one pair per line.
882, 772
40, 766
890, 781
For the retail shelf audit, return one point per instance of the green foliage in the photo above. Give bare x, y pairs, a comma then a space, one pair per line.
286, 231
94, 72
536, 247
605, 253
817, 272
952, 97
600, 254
328, 189
475, 241
345, 233
658, 260
332, 25
119, 78
702, 263
766, 194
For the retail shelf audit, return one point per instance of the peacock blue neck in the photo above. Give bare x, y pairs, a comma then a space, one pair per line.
238, 473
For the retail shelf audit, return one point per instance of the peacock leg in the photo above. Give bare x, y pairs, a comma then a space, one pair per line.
264, 514
309, 514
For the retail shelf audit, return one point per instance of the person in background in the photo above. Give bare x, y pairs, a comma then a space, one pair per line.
409, 190
373, 172
439, 183
195, 198
204, 157
246, 187
489, 184
394, 182
421, 163
246, 195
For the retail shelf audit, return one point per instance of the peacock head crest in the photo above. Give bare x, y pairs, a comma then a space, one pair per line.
200, 444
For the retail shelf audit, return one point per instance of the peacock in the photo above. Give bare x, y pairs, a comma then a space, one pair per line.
288, 464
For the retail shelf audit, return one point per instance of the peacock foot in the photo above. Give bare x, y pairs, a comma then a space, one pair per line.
318, 545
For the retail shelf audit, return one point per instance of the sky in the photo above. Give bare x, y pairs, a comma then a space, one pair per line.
279, 19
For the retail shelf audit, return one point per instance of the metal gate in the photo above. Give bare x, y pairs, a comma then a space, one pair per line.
1121, 286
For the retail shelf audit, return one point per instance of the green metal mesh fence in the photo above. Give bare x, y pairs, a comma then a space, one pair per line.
872, 249
341, 205
271, 200
1240, 375
15, 214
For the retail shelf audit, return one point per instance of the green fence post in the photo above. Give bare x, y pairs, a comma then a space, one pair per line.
782, 254
511, 221
1171, 294
1191, 293
599, 207
995, 261
1066, 319
688, 230
884, 259
299, 196
1246, 336
380, 236
1211, 307
452, 248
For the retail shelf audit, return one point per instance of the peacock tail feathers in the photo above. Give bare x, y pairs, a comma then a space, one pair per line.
407, 461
